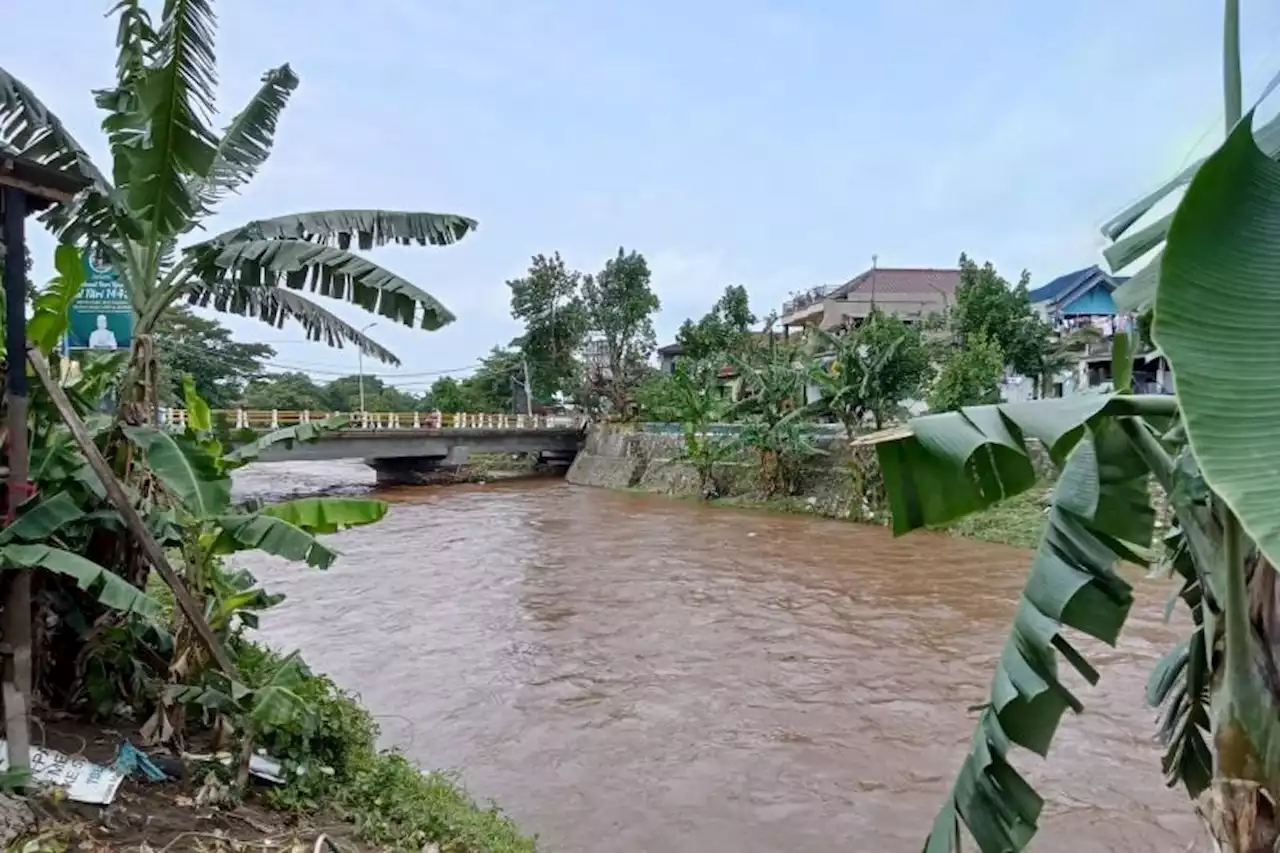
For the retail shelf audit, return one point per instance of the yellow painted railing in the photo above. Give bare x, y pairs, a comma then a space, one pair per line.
267, 419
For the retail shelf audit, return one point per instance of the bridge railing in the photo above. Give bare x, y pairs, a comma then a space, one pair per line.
268, 419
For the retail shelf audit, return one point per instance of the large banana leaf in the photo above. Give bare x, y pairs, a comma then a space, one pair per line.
1139, 291
274, 305
332, 272
1100, 505
29, 129
369, 227
187, 470
51, 311
276, 536
246, 142
951, 464
43, 519
328, 515
176, 97
306, 433
111, 590
1218, 303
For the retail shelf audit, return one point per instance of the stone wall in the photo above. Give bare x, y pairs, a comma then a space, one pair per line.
845, 483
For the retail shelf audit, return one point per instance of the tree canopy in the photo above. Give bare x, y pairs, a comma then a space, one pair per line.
726, 328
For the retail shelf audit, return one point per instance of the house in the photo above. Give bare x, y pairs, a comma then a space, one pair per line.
1083, 293
909, 293
1083, 298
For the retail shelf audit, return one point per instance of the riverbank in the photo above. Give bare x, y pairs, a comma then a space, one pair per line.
844, 483
339, 786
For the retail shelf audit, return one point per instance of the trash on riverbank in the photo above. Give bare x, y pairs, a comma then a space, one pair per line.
84, 781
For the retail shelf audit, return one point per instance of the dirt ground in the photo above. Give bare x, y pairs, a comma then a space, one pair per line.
162, 817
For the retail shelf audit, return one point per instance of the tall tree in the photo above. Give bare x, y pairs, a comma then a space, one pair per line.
294, 392
619, 302
726, 328
170, 171
987, 305
548, 300
187, 344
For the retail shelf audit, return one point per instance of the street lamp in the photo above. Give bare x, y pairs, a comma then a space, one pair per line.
361, 362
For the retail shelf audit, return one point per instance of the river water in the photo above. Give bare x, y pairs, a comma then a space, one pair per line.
631, 673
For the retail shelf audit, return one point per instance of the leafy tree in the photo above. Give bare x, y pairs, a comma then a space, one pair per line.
450, 395
872, 370
619, 304
726, 328
169, 171
343, 395
987, 305
969, 376
548, 300
693, 398
293, 392
190, 345
499, 382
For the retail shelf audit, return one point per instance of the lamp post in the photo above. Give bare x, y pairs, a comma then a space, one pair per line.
360, 355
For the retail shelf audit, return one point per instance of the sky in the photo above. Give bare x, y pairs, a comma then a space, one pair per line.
777, 145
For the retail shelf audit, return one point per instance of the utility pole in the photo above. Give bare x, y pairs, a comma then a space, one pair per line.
528, 392
360, 362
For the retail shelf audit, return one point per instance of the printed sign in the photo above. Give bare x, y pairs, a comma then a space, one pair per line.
83, 781
101, 316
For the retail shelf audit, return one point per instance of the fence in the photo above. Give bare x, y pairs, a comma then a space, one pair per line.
267, 419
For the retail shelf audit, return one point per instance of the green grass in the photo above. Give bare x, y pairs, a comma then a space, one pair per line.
1017, 521
391, 802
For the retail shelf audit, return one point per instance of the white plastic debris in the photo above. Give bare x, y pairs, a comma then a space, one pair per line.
84, 781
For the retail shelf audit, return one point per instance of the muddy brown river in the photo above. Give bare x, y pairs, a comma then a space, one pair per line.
631, 673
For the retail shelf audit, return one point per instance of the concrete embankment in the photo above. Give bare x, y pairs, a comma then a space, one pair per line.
842, 483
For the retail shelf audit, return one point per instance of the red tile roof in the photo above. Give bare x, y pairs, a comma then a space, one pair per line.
887, 280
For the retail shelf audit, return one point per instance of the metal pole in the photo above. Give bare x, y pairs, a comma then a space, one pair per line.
361, 368
16, 688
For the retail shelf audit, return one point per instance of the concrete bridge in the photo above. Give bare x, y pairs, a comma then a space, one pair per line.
407, 448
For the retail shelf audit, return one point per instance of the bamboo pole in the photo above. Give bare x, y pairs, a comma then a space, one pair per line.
132, 520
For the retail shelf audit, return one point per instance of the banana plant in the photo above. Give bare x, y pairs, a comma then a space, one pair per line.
169, 171
1214, 451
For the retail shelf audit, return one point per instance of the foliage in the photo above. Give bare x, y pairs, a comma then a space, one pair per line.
869, 370
548, 300
771, 408
988, 307
1210, 450
725, 329
693, 397
969, 376
190, 345
619, 304
169, 171
291, 392
391, 801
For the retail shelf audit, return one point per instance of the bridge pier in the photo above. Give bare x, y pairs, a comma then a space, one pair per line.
415, 470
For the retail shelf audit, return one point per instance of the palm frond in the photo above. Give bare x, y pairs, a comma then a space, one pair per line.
125, 124
177, 97
331, 272
275, 305
246, 142
369, 228
29, 129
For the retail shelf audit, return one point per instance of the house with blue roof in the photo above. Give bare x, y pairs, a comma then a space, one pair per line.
1083, 293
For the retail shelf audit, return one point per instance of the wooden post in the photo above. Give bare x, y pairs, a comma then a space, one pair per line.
115, 491
16, 688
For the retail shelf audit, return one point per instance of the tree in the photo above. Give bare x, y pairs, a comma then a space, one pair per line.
969, 376
871, 370
170, 171
986, 305
449, 395
548, 300
190, 345
772, 407
291, 392
619, 304
726, 328
1212, 449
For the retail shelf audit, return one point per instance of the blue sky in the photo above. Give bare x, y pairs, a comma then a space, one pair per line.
771, 144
